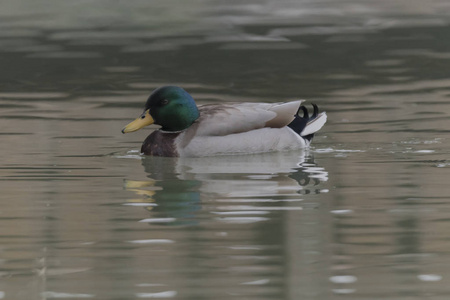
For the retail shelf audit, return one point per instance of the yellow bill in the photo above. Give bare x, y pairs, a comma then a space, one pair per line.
144, 120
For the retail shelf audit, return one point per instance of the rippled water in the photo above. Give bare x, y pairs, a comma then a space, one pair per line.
363, 214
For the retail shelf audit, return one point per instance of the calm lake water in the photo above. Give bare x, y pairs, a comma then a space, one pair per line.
363, 214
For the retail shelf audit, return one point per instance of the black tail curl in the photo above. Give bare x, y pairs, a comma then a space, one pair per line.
300, 122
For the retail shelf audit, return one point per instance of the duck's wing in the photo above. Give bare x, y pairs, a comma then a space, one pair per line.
224, 119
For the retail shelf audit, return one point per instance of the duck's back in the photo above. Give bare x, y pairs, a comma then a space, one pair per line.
223, 119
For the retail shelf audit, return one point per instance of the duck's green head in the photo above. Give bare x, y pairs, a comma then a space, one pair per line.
169, 106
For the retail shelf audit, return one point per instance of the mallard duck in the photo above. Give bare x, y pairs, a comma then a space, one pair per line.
222, 129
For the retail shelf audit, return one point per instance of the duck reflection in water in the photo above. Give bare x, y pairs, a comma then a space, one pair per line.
177, 189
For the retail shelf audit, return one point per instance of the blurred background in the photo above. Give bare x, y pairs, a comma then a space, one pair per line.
363, 214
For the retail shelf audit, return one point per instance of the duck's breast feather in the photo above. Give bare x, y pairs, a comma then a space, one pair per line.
256, 141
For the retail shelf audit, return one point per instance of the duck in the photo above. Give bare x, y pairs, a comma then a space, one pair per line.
191, 130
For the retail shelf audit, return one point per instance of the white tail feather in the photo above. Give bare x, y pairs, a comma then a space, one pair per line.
315, 125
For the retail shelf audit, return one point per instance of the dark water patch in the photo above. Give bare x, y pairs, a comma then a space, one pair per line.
186, 56
400, 121
27, 46
48, 168
423, 54
358, 131
59, 176
16, 133
430, 113
251, 46
125, 104
71, 119
82, 137
33, 96
406, 161
349, 109
417, 93
19, 33
432, 102
122, 69
420, 130
10, 105
65, 55
91, 155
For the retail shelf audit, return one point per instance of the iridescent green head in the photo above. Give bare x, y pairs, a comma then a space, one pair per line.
172, 108
169, 106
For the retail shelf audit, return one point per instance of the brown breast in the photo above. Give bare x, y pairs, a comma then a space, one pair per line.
160, 144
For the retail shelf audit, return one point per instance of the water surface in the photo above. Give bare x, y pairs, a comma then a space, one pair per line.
363, 214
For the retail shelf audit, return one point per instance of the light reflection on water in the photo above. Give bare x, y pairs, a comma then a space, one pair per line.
363, 214
237, 189
220, 195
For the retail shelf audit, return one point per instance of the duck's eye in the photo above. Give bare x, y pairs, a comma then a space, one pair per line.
164, 101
